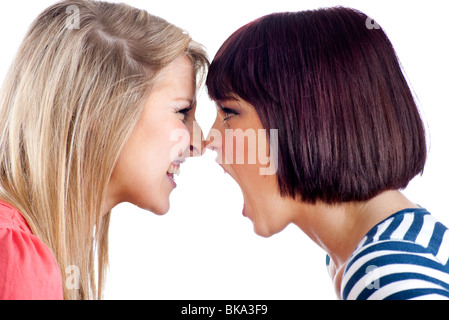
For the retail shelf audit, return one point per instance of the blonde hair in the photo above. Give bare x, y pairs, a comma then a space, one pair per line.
68, 104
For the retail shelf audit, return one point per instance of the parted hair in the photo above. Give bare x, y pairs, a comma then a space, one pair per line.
348, 125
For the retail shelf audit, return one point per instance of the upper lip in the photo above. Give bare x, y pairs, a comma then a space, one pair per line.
174, 166
178, 161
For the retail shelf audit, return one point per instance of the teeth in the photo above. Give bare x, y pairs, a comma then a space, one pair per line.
174, 169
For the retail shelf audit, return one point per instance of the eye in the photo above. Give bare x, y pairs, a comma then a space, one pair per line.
228, 113
185, 112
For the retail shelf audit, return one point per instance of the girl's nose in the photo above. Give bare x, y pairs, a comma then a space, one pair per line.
197, 143
214, 138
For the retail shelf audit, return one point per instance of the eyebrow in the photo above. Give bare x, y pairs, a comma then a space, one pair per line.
231, 103
190, 101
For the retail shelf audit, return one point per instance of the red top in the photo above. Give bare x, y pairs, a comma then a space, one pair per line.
28, 269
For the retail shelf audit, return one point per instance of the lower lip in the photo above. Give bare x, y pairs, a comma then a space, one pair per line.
243, 211
171, 180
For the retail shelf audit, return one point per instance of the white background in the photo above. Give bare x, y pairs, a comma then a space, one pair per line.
203, 248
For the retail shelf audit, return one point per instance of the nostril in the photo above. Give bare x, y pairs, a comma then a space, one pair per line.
194, 152
209, 144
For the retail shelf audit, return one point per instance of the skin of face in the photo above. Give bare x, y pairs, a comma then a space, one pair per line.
160, 139
232, 135
336, 228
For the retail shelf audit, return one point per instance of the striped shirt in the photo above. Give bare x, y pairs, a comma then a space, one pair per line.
404, 257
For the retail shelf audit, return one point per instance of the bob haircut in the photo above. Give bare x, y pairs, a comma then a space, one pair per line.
348, 125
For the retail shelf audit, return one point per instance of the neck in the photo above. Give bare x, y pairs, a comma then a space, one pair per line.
338, 229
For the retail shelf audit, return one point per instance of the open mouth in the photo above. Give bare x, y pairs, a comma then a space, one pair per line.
174, 169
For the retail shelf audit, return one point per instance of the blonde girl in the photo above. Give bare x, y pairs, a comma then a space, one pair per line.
86, 115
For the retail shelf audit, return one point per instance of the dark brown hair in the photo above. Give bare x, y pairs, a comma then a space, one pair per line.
332, 85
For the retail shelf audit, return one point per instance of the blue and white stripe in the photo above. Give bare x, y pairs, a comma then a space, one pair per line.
404, 257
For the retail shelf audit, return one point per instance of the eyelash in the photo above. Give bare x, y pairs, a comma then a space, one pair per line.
229, 113
185, 111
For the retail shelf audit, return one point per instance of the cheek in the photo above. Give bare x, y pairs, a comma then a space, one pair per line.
148, 154
167, 140
141, 165
247, 152
268, 208
177, 142
243, 152
240, 147
141, 170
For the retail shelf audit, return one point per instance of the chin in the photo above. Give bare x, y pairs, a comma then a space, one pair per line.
157, 208
262, 231
262, 234
162, 210
267, 230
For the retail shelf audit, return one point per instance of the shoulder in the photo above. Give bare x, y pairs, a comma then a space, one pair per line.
404, 257
28, 269
394, 269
